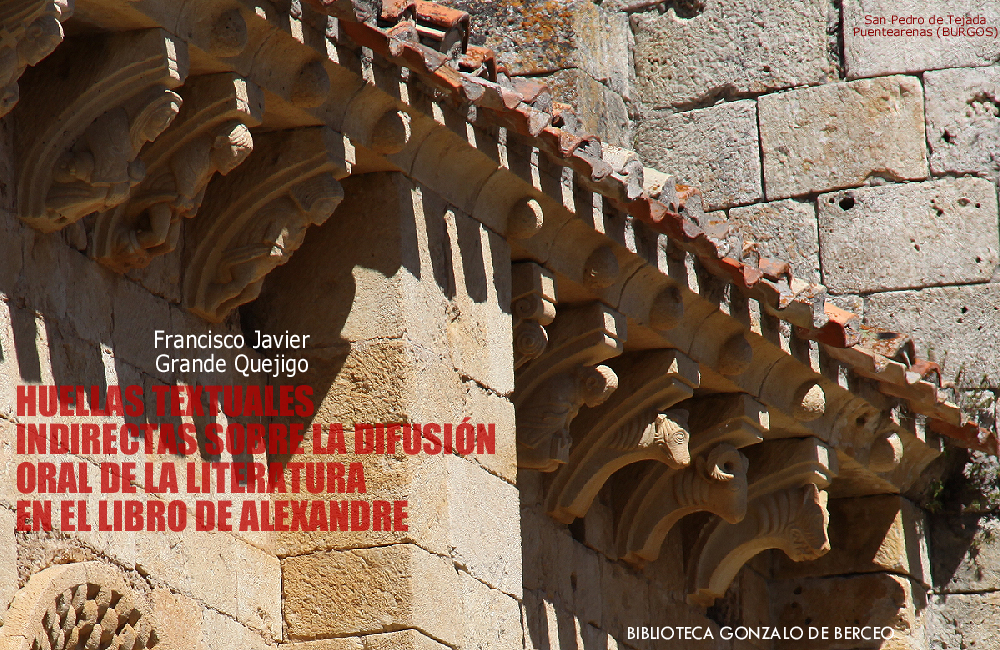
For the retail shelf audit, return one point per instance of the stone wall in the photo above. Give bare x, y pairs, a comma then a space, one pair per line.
65, 319
868, 163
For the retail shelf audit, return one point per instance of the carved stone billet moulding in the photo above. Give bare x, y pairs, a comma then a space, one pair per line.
78, 607
81, 122
29, 31
634, 424
715, 483
549, 391
786, 510
253, 219
210, 135
533, 305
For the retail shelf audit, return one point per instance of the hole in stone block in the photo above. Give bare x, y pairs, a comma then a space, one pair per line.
847, 203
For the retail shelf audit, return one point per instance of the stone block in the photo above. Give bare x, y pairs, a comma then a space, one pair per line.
487, 407
874, 600
258, 589
492, 620
947, 325
137, 314
601, 110
870, 55
840, 135
8, 563
784, 230
402, 640
963, 121
966, 553
417, 270
908, 236
179, 621
484, 507
369, 591
533, 38
729, 48
715, 149
220, 632
963, 620
625, 597
868, 535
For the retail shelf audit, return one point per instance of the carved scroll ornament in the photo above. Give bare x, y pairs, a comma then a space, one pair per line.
252, 220
210, 136
84, 118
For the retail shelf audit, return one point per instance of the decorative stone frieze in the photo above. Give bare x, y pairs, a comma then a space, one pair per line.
549, 391
77, 606
86, 115
254, 219
636, 423
210, 135
29, 32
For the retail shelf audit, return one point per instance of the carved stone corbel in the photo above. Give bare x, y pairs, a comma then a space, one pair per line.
84, 118
793, 520
82, 605
717, 424
549, 391
534, 307
252, 220
786, 510
29, 32
633, 425
716, 483
210, 135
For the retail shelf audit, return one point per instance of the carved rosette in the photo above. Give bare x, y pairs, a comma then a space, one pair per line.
252, 220
633, 425
550, 391
534, 307
83, 606
84, 118
29, 32
211, 135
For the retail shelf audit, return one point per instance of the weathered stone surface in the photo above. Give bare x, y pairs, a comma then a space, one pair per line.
221, 632
869, 56
839, 135
601, 110
730, 48
417, 270
493, 618
962, 620
949, 325
368, 591
180, 620
878, 599
402, 640
540, 37
963, 121
8, 563
966, 555
868, 535
784, 230
713, 148
912, 235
